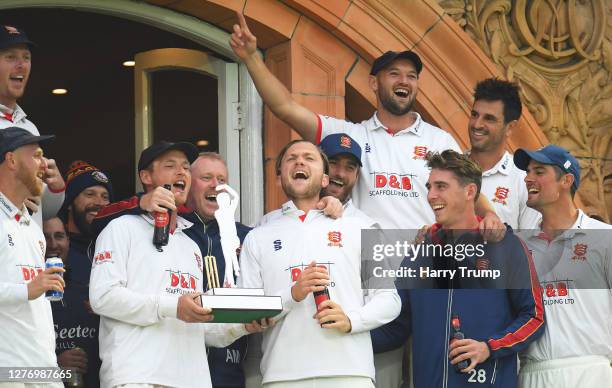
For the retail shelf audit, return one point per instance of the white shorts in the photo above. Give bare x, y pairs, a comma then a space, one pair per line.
571, 372
324, 382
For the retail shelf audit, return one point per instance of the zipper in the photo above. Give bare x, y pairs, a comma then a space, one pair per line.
449, 306
494, 372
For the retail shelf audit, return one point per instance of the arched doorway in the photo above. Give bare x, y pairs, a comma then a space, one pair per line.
82, 46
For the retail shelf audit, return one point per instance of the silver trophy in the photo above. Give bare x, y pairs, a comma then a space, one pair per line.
228, 202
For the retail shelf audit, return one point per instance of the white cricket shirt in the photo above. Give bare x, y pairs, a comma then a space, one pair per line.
27, 337
575, 272
135, 290
273, 257
391, 187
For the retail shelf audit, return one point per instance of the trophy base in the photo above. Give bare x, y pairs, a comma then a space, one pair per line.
241, 305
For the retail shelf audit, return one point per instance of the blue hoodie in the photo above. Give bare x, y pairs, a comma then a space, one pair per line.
506, 319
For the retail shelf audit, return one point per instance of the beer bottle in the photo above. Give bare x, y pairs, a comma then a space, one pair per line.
458, 335
320, 297
161, 233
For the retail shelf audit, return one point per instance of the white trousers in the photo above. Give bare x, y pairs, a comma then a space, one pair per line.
571, 372
325, 382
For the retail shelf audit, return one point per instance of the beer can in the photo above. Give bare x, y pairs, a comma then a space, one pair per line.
54, 295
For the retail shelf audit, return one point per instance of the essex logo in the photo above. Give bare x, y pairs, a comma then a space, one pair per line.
11, 30
335, 239
420, 152
345, 141
482, 263
501, 194
580, 251
103, 257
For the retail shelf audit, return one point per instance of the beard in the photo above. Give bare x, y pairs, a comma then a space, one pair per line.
80, 218
311, 191
393, 106
30, 181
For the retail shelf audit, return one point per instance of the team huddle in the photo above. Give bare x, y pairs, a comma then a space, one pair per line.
131, 315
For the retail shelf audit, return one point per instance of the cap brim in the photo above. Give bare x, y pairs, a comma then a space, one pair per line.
16, 42
349, 154
523, 157
34, 139
188, 149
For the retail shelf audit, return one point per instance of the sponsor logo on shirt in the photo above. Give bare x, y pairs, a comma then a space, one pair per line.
557, 292
335, 239
103, 257
368, 148
10, 240
277, 245
42, 247
419, 152
28, 272
580, 251
501, 194
296, 270
181, 282
388, 183
64, 337
483, 263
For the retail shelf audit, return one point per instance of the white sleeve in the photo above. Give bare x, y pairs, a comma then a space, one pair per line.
452, 144
13, 293
251, 274
382, 307
221, 335
51, 203
108, 292
330, 125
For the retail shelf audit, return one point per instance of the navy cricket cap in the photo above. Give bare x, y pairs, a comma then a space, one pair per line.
151, 153
12, 36
390, 56
13, 137
553, 155
340, 143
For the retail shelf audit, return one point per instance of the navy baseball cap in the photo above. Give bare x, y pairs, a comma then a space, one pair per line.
390, 56
340, 143
553, 155
13, 137
12, 36
151, 153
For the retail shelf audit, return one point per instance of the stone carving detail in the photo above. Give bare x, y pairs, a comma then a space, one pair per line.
560, 52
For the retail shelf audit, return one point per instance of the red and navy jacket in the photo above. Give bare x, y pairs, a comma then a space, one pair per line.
225, 364
506, 319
